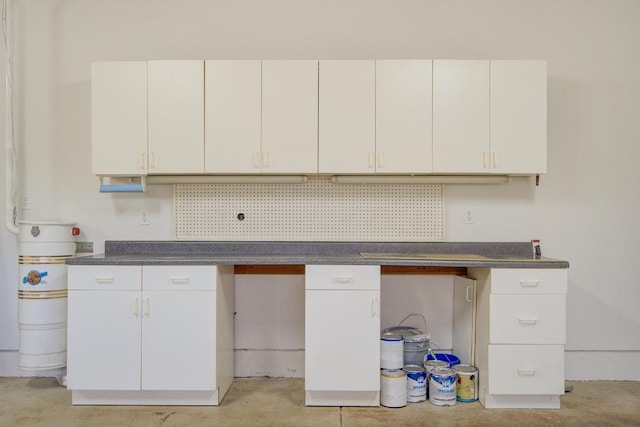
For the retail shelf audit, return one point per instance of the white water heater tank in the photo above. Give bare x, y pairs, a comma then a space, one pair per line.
43, 248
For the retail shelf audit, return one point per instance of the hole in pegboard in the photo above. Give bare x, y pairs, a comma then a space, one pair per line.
316, 211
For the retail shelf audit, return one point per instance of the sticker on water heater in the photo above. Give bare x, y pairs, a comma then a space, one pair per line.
34, 277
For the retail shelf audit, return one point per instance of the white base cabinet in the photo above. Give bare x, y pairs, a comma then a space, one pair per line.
520, 336
342, 335
150, 334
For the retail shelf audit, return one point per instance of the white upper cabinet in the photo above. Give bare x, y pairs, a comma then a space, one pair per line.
403, 116
519, 117
461, 116
119, 118
176, 117
232, 116
347, 117
289, 117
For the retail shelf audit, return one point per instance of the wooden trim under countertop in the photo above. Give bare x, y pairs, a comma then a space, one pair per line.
385, 269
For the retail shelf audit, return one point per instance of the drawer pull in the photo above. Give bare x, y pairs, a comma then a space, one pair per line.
104, 279
526, 372
529, 284
342, 279
527, 320
179, 280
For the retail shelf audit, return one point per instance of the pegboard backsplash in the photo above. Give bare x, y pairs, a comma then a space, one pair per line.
315, 211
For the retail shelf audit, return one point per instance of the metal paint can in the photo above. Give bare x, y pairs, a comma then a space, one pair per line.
391, 351
432, 364
416, 383
467, 388
393, 388
442, 386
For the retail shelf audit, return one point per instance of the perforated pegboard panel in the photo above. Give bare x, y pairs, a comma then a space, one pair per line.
316, 211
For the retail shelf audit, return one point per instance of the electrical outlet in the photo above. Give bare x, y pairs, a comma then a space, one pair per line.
26, 202
84, 246
468, 216
145, 218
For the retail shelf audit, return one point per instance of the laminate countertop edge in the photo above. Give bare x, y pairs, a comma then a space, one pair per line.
444, 254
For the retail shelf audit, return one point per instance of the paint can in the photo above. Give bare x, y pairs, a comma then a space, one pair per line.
416, 383
391, 351
416, 343
467, 388
431, 364
393, 388
451, 359
442, 386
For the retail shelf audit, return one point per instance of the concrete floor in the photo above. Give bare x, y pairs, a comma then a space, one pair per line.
280, 402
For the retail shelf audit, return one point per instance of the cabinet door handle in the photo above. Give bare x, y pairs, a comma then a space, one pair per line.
495, 159
143, 164
152, 160
134, 307
526, 372
527, 320
265, 159
104, 280
342, 279
469, 294
529, 284
484, 159
370, 163
178, 280
374, 307
381, 160
256, 160
146, 309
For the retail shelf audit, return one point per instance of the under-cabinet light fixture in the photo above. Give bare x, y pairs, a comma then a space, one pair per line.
421, 179
227, 179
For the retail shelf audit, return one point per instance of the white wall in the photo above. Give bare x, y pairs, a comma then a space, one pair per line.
584, 211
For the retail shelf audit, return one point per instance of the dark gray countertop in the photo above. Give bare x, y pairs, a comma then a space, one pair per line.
436, 254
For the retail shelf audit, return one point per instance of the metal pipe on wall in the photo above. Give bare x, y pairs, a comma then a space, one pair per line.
11, 163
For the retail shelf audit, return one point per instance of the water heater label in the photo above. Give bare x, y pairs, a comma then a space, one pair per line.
34, 277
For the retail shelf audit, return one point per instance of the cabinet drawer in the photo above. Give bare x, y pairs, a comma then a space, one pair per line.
526, 369
527, 319
179, 277
104, 277
529, 281
342, 277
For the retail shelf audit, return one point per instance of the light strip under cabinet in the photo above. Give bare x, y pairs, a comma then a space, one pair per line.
421, 179
227, 179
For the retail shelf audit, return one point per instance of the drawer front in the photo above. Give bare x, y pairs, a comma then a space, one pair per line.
342, 277
526, 369
105, 277
179, 277
528, 281
527, 319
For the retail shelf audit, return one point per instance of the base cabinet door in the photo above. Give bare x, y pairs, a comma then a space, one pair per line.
104, 340
342, 349
178, 340
342, 335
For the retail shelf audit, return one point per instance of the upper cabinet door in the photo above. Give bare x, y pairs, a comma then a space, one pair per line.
289, 117
232, 116
461, 116
403, 116
347, 117
176, 117
519, 117
119, 118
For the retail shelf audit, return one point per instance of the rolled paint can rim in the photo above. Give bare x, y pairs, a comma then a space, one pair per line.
393, 373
